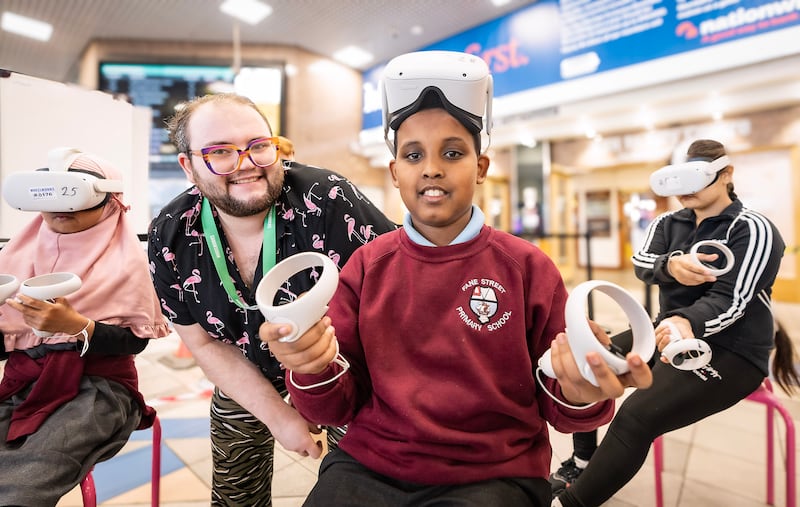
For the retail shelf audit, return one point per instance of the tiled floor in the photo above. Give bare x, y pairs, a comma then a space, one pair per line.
717, 462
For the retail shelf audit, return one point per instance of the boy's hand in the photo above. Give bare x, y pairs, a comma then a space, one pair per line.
311, 353
578, 390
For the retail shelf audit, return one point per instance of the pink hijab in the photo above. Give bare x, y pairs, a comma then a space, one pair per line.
108, 258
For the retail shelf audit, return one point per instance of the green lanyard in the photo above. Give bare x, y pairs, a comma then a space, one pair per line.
211, 234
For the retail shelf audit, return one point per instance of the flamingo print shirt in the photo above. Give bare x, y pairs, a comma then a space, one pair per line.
318, 210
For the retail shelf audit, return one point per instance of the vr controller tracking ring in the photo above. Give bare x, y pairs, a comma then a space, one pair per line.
582, 340
729, 259
50, 285
305, 311
685, 353
8, 287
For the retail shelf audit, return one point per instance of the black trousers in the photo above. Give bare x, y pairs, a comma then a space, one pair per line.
344, 482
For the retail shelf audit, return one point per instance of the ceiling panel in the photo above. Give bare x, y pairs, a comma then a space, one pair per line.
321, 26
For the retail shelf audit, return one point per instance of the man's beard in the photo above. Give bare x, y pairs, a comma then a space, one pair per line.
235, 207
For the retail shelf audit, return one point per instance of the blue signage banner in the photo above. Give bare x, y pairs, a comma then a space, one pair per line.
553, 41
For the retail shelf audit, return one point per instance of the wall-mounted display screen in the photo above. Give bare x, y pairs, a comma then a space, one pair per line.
161, 87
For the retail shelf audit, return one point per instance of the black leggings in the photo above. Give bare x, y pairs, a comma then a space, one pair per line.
676, 399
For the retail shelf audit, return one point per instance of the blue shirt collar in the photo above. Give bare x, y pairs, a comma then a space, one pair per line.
472, 229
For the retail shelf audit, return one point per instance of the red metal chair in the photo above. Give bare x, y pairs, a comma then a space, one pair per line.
764, 394
89, 493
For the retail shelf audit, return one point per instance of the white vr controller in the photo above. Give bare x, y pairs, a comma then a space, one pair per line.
692, 353
582, 340
305, 311
8, 287
685, 353
49, 286
729, 260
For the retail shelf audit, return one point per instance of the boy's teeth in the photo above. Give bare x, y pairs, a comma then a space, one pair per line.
434, 192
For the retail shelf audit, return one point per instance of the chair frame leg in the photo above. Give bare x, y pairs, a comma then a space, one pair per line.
89, 493
155, 479
658, 458
766, 396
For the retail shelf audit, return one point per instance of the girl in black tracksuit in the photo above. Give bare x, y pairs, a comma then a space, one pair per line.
731, 312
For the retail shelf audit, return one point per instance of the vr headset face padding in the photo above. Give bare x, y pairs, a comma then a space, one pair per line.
688, 177
461, 82
57, 191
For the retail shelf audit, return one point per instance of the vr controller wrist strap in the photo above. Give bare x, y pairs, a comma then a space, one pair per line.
214, 243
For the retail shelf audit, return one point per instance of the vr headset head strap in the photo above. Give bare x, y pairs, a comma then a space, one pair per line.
60, 159
462, 82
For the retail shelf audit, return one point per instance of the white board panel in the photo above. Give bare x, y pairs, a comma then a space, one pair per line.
37, 115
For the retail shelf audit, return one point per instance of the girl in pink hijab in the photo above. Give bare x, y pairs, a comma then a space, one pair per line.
71, 399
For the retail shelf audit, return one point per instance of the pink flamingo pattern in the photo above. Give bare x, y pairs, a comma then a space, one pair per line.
198, 240
190, 282
169, 257
354, 190
218, 325
190, 215
351, 230
317, 210
170, 313
311, 206
336, 191
178, 289
244, 340
335, 257
367, 233
245, 313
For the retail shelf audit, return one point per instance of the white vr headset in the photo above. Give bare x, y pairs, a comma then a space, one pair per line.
462, 82
57, 188
687, 177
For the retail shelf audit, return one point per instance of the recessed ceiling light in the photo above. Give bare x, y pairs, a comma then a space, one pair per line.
249, 11
27, 27
500, 3
353, 56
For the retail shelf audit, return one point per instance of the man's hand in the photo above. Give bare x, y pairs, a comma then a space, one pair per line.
311, 353
294, 435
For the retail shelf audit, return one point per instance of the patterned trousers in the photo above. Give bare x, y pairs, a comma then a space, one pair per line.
243, 452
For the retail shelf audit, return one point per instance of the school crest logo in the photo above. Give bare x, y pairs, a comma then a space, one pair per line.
483, 313
483, 303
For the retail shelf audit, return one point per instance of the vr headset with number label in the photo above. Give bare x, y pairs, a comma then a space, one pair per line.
58, 188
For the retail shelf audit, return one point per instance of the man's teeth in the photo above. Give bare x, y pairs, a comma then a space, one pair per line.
433, 192
245, 180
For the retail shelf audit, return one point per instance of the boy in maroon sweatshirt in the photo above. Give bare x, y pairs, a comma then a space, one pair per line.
439, 327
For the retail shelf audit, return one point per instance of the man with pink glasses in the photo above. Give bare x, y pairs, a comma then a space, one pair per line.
245, 211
